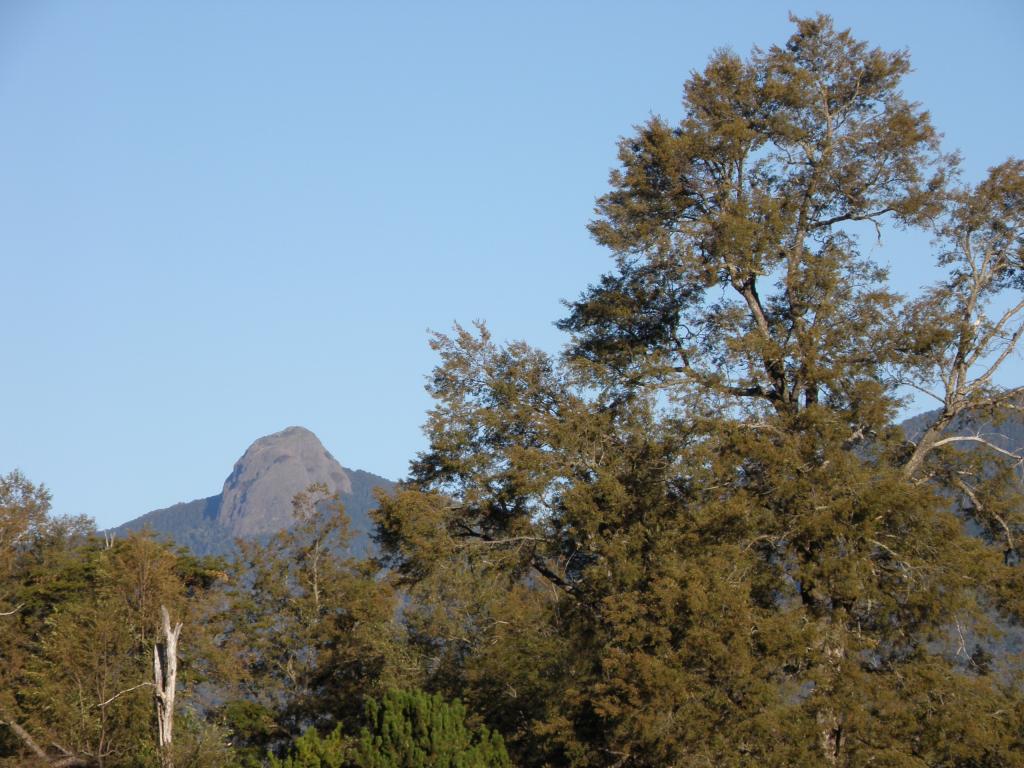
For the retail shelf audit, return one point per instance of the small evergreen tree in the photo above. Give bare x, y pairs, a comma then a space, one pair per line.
406, 729
416, 730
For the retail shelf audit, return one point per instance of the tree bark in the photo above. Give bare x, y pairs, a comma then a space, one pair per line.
165, 674
830, 721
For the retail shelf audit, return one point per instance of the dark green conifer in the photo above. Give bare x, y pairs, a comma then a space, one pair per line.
406, 729
413, 729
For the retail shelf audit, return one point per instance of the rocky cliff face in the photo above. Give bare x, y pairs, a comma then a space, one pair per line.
256, 500
257, 496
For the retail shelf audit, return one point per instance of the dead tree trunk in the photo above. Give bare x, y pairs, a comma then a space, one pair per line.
165, 674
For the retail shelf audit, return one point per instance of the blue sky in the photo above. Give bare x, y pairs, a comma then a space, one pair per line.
219, 219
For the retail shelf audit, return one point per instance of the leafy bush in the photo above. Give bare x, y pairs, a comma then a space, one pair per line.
311, 750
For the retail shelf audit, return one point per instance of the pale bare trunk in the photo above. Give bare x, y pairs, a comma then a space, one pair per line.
165, 674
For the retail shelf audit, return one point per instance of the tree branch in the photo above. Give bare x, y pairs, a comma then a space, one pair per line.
850, 217
536, 562
977, 439
122, 693
69, 761
1011, 345
775, 368
980, 509
710, 380
923, 390
26, 739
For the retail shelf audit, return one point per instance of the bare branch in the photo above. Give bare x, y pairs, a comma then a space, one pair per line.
850, 217
903, 564
1005, 399
930, 440
165, 672
923, 390
977, 439
119, 694
1011, 345
980, 509
501, 542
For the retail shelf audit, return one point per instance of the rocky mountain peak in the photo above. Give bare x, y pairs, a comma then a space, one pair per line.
257, 495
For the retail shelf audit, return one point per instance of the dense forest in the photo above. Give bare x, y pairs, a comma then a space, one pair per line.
696, 537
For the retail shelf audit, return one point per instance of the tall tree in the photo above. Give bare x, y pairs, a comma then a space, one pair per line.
741, 560
33, 553
76, 686
311, 628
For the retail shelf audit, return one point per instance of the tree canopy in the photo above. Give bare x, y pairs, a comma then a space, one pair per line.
698, 537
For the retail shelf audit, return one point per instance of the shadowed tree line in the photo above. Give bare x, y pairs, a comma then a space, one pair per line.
697, 537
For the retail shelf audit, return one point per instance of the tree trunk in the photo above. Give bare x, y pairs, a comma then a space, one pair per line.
165, 674
26, 739
925, 443
66, 761
830, 721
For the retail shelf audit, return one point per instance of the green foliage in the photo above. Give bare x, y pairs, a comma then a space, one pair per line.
253, 728
199, 743
77, 651
310, 750
308, 631
698, 538
406, 729
413, 729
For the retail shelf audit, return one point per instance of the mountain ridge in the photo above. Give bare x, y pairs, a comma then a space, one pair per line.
255, 500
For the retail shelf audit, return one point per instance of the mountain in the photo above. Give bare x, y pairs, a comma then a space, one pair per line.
257, 496
256, 500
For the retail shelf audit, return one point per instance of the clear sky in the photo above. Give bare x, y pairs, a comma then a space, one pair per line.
219, 219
